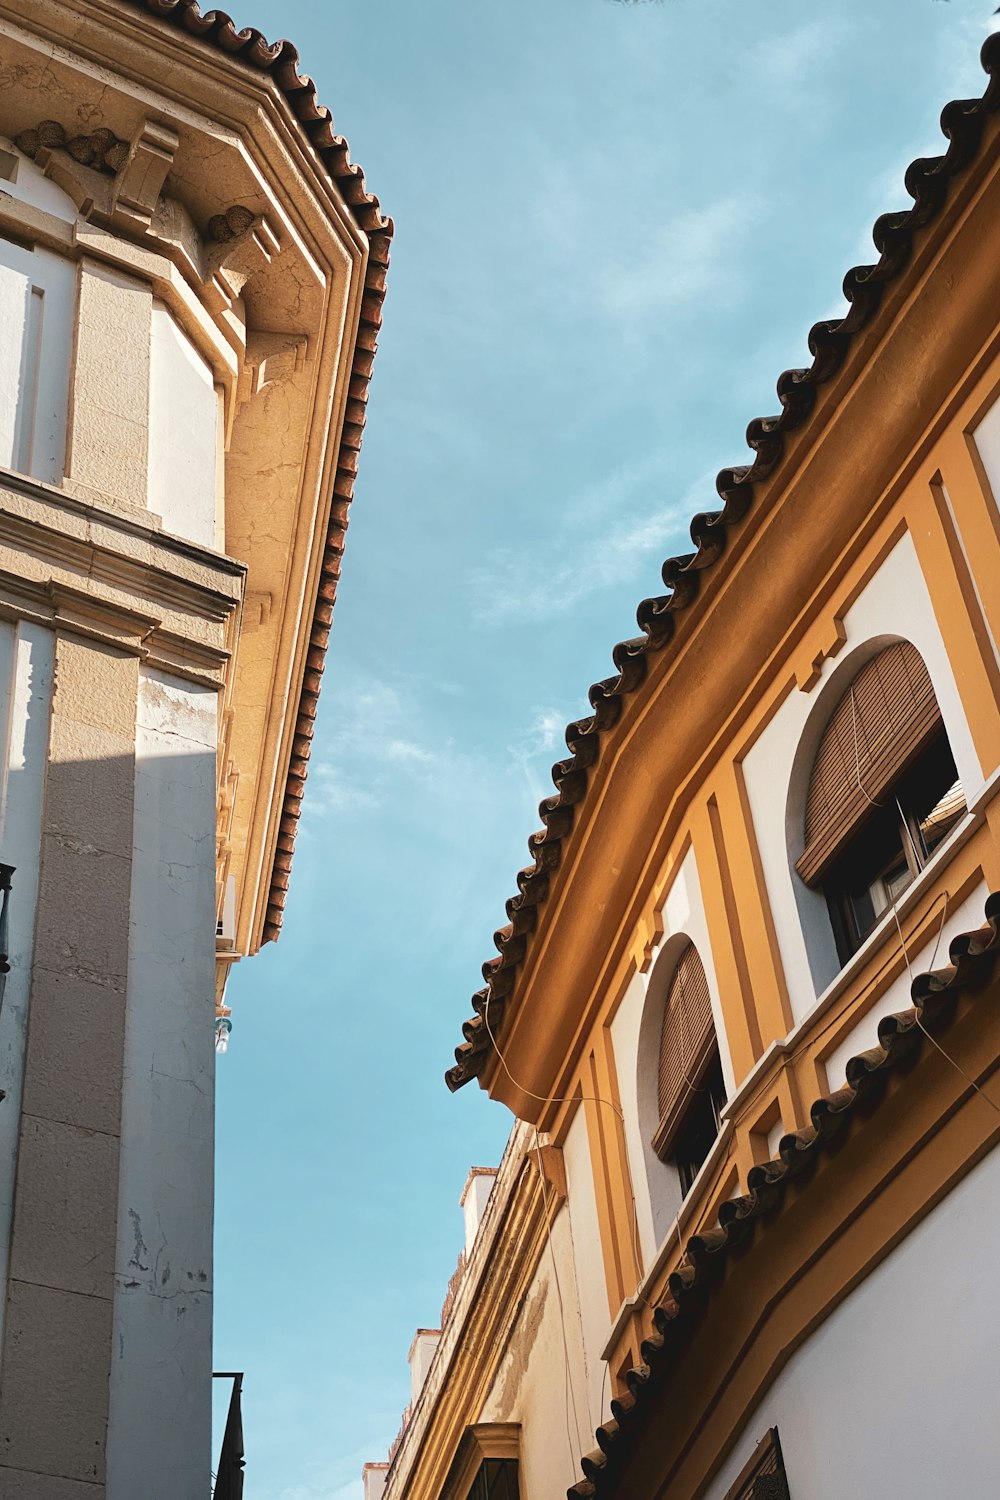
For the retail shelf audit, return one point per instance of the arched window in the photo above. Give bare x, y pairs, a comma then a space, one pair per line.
883, 793
690, 1085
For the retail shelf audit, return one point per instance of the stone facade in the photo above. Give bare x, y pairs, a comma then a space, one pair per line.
181, 287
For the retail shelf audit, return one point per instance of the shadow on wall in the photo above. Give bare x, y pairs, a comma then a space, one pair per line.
107, 1058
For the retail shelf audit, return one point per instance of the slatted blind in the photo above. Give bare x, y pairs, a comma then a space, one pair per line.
685, 1037
763, 1478
880, 724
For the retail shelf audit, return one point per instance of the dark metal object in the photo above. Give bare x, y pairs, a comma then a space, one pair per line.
229, 1478
6, 876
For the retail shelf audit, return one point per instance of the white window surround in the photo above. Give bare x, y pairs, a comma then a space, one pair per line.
895, 605
969, 914
635, 1037
964, 917
912, 897
37, 302
986, 437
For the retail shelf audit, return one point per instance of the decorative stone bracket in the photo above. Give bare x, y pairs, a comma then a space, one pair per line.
270, 357
141, 177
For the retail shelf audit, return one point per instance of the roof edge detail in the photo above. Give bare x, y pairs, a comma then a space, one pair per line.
927, 180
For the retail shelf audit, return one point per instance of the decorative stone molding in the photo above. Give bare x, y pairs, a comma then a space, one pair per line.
142, 175
270, 357
232, 258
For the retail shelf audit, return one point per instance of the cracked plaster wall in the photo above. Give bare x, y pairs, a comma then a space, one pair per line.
159, 1434
540, 1381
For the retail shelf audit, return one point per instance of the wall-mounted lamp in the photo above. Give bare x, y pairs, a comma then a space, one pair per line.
223, 1027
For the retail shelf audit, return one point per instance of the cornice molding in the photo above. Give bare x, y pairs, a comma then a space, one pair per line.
33, 529
482, 1441
476, 1336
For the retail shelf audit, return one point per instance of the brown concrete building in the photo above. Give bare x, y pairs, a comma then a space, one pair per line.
744, 1007
191, 277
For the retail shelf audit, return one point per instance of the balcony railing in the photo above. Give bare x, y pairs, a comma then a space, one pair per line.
229, 1476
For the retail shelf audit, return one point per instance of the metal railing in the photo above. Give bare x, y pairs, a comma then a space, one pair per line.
229, 1476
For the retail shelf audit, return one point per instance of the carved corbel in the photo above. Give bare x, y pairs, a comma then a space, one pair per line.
547, 1161
270, 357
240, 243
140, 179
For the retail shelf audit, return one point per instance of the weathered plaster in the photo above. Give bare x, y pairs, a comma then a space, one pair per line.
159, 1433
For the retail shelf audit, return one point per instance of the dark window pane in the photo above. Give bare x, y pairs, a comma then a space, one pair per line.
496, 1480
700, 1126
894, 845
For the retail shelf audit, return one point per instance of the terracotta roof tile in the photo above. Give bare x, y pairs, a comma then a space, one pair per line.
973, 960
927, 181
280, 61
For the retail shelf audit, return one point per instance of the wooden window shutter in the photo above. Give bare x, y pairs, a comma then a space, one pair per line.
763, 1478
882, 722
687, 1040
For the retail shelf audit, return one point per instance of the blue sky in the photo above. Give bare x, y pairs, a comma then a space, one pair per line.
615, 225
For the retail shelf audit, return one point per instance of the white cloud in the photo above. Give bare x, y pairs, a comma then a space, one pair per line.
330, 792
698, 251
785, 61
610, 537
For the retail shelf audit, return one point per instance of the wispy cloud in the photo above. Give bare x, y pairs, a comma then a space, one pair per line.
697, 252
785, 62
613, 533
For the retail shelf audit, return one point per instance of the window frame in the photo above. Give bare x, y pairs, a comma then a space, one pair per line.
767, 1451
703, 1072
481, 1443
902, 815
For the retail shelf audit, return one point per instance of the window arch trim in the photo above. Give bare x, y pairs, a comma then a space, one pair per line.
687, 1044
886, 717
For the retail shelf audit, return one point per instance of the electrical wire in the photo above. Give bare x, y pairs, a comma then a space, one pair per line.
579, 1098
567, 1369
619, 1113
933, 1039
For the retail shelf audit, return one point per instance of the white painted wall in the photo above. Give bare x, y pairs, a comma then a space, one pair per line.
159, 1434
896, 1393
183, 434
421, 1356
540, 1383
26, 658
635, 1036
895, 605
475, 1196
30, 185
373, 1478
987, 440
588, 1262
37, 301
